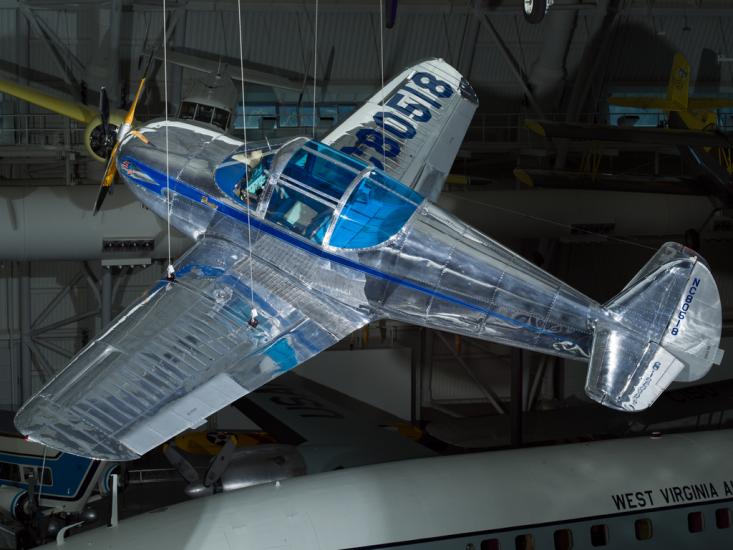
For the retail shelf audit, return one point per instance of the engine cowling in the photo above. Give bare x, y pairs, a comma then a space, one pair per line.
254, 466
104, 484
98, 145
15, 502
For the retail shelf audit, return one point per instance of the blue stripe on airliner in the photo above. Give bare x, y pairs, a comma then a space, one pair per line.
67, 472
197, 195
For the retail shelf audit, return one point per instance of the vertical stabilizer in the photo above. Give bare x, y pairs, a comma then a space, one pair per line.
678, 89
664, 326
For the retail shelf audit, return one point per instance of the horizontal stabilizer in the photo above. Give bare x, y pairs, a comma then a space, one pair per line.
664, 326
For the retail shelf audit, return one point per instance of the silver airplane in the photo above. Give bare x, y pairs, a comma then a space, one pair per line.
645, 493
301, 244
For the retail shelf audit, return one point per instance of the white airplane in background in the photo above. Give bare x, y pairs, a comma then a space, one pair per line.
672, 491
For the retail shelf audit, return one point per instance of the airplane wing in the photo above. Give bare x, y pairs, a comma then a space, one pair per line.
338, 430
251, 74
413, 127
182, 352
72, 109
652, 136
709, 103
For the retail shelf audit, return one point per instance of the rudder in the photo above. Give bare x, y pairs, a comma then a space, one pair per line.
664, 326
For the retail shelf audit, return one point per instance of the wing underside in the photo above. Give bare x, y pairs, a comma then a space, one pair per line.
413, 127
182, 352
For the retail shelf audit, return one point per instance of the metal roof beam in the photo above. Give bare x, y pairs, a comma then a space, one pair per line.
518, 73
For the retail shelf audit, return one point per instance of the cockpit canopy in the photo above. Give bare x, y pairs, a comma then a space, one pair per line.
319, 193
203, 112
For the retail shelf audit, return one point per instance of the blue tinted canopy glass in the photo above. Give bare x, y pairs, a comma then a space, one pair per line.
375, 210
319, 183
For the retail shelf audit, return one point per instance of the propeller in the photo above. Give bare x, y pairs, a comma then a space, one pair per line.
217, 467
102, 137
111, 170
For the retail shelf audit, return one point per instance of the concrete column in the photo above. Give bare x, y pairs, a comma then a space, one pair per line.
24, 315
106, 297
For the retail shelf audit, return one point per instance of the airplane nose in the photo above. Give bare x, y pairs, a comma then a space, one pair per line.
187, 151
147, 148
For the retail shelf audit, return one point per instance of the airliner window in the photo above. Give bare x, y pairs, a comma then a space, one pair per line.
695, 522
47, 478
563, 539
722, 518
187, 111
524, 542
9, 472
221, 118
204, 113
31, 475
643, 529
490, 544
599, 535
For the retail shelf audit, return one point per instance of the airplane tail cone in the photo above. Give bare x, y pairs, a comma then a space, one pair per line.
664, 326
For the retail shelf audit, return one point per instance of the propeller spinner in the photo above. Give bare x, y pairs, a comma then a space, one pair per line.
111, 170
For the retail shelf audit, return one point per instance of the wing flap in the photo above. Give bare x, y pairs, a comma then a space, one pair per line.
189, 411
180, 353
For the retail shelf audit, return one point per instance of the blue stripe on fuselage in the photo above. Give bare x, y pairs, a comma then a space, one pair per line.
68, 472
199, 196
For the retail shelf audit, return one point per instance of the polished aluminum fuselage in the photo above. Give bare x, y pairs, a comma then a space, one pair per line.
436, 271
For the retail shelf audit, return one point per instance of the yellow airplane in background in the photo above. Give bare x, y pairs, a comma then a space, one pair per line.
211, 99
99, 134
696, 113
692, 127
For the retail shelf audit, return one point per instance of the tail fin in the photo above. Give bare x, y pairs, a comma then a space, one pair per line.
664, 326
678, 90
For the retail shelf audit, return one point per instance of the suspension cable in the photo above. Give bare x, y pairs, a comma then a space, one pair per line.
170, 272
381, 70
315, 68
253, 314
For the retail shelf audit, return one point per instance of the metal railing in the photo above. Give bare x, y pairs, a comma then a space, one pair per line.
40, 129
54, 130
